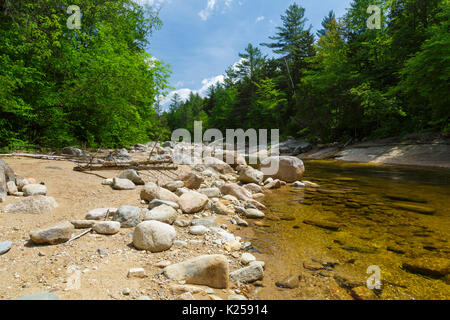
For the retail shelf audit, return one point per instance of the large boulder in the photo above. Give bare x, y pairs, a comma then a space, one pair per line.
191, 180
208, 270
162, 213
32, 205
250, 175
192, 202
236, 191
217, 164
284, 168
128, 216
151, 191
153, 236
132, 175
34, 190
123, 184
59, 233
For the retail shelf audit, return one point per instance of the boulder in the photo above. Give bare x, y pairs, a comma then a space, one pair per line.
133, 176
107, 227
32, 205
250, 175
128, 216
210, 192
248, 274
156, 203
254, 214
217, 164
191, 180
153, 236
83, 224
100, 213
123, 184
236, 191
151, 191
254, 188
285, 168
59, 233
174, 185
11, 187
162, 213
34, 190
220, 208
73, 152
192, 202
208, 270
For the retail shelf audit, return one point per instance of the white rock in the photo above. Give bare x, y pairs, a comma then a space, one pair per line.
246, 258
107, 227
100, 213
198, 230
136, 273
34, 190
154, 236
163, 213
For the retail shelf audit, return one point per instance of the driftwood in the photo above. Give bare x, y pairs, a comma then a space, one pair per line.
80, 235
136, 165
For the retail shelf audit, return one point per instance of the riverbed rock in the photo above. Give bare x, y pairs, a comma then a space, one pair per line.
246, 258
107, 227
156, 203
363, 293
254, 188
83, 224
34, 190
123, 184
289, 282
323, 224
174, 185
32, 205
218, 165
275, 184
208, 223
254, 214
251, 175
177, 289
192, 202
210, 192
21, 182
428, 266
5, 246
133, 176
151, 191
162, 213
290, 169
236, 191
208, 270
414, 208
59, 233
248, 274
100, 213
128, 216
198, 230
191, 180
298, 184
153, 236
11, 187
220, 208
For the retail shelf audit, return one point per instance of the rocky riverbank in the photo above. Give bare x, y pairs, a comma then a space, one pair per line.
134, 235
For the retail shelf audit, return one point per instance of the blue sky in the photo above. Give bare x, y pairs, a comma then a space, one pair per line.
199, 39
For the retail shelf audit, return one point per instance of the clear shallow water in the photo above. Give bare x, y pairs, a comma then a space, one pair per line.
387, 216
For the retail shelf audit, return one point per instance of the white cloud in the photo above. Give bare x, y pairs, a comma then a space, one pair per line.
260, 19
185, 92
212, 5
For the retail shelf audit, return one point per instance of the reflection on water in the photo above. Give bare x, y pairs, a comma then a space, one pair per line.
396, 218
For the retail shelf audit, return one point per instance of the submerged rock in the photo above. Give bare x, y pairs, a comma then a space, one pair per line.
414, 208
208, 270
434, 267
323, 224
290, 282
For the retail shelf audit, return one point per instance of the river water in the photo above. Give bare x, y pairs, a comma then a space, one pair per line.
363, 215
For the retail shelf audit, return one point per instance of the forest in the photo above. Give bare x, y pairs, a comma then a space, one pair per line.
344, 82
97, 86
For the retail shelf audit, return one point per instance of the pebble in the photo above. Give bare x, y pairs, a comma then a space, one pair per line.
5, 246
136, 273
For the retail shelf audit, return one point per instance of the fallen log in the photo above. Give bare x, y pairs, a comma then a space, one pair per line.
124, 166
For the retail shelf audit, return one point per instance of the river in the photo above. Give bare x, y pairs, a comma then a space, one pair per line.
390, 217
